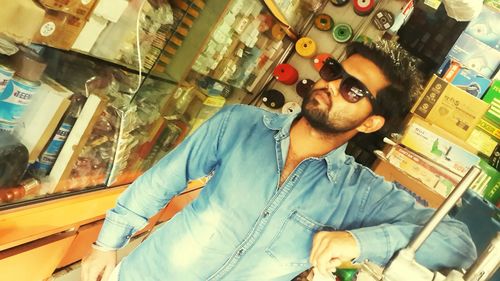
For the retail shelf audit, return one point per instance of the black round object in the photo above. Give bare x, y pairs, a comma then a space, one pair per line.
13, 160
383, 20
303, 87
273, 99
339, 2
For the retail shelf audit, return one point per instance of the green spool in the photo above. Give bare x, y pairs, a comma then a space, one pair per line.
342, 32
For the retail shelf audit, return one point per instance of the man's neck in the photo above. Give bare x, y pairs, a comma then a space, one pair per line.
309, 142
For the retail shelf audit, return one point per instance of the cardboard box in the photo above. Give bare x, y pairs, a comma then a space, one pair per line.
424, 139
89, 34
425, 171
483, 142
60, 176
20, 19
450, 108
423, 194
475, 55
77, 8
492, 97
485, 27
42, 116
466, 79
59, 30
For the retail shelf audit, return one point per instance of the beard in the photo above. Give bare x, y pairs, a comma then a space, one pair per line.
325, 121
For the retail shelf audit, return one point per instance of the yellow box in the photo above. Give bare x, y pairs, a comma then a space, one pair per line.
450, 108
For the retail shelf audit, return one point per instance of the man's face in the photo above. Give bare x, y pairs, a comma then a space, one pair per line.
325, 108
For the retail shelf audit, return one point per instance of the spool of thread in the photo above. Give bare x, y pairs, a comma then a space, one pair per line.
286, 74
339, 2
383, 20
319, 60
277, 32
303, 87
323, 22
306, 47
363, 7
273, 99
290, 108
342, 32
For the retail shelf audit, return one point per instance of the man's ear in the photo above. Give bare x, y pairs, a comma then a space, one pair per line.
372, 124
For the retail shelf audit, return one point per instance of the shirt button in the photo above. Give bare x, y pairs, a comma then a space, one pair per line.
240, 252
265, 214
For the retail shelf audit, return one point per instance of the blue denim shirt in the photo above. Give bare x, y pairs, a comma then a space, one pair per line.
243, 227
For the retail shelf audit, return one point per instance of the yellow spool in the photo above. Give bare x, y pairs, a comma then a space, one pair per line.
306, 47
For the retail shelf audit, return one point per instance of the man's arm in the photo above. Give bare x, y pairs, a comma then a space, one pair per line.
193, 158
391, 218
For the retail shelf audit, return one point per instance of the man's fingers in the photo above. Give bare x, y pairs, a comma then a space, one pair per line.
319, 245
107, 273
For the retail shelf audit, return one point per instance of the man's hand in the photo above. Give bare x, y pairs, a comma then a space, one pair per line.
98, 263
331, 248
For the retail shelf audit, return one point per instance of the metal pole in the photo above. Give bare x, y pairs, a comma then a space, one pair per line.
445, 208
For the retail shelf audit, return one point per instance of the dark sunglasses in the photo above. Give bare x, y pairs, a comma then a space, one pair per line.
351, 89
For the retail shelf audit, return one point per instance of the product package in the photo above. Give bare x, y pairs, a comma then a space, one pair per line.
475, 55
449, 107
422, 138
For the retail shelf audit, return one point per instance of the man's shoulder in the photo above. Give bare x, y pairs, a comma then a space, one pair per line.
247, 113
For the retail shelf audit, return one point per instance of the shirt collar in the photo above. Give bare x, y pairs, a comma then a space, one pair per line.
283, 122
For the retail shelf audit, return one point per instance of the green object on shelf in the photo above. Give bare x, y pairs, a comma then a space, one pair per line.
346, 274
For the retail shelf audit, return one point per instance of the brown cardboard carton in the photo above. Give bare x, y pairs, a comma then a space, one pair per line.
450, 108
78, 8
20, 19
425, 195
59, 30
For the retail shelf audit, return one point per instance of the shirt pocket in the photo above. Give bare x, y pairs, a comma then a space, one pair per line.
292, 244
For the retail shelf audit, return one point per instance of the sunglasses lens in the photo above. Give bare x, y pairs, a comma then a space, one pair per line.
352, 90
331, 70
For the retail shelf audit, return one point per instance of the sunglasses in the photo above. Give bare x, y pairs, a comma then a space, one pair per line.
351, 89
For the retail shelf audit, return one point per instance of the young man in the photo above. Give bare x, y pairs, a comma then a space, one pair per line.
283, 196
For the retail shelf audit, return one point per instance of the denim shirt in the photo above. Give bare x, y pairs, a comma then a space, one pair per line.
243, 226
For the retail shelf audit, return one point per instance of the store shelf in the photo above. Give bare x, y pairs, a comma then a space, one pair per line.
131, 68
195, 41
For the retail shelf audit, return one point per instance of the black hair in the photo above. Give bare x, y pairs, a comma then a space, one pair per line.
394, 101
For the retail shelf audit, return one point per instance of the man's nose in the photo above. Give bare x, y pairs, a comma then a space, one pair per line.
334, 87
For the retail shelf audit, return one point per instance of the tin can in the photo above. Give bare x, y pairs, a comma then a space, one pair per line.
6, 74
47, 159
13, 101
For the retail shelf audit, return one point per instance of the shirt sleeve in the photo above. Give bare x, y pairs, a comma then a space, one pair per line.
391, 218
195, 157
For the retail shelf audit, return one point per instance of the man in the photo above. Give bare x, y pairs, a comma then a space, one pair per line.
283, 196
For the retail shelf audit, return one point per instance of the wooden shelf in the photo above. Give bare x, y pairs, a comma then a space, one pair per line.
196, 39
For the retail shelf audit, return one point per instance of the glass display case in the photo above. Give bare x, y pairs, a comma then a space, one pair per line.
102, 90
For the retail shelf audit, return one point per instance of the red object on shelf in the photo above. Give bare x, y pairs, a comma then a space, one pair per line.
319, 60
363, 7
286, 74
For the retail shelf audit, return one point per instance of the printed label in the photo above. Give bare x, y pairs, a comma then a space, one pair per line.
48, 29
